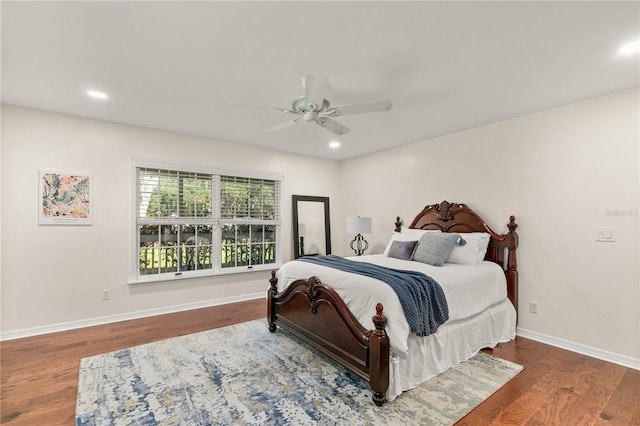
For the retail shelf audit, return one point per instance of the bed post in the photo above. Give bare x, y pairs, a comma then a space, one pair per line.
512, 271
379, 358
271, 303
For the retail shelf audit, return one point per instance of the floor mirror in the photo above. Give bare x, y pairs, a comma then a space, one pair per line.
311, 229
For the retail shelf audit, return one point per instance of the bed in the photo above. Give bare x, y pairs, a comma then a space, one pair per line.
359, 327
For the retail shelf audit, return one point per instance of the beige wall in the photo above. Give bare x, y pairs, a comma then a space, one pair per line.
560, 172
55, 274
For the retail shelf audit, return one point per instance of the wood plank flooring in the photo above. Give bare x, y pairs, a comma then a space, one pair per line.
557, 387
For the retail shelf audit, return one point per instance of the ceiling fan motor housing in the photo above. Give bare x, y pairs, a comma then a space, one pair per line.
301, 107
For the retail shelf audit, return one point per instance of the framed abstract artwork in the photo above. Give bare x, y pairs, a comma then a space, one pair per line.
65, 198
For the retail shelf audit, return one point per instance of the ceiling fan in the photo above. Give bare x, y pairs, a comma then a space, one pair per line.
314, 107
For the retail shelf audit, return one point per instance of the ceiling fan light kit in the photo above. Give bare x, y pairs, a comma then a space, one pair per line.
314, 107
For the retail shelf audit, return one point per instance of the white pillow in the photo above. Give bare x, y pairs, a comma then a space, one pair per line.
473, 251
407, 234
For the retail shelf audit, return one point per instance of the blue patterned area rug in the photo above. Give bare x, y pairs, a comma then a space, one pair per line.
245, 375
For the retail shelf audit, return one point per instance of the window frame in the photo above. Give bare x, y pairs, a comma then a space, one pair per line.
216, 221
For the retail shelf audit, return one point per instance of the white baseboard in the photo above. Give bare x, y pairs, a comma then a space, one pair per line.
624, 360
54, 328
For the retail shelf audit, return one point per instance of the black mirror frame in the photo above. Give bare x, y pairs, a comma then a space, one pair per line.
327, 225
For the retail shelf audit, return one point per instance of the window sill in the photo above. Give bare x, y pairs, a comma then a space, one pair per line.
148, 279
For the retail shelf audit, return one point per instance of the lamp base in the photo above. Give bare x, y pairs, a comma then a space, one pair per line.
360, 244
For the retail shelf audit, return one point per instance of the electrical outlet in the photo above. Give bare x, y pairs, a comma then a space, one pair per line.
533, 307
106, 294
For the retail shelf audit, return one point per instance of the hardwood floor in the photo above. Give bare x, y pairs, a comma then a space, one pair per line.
557, 387
40, 374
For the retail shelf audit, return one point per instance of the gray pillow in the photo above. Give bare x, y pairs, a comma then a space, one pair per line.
435, 248
402, 249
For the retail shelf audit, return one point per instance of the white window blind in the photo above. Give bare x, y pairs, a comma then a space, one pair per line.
174, 194
249, 199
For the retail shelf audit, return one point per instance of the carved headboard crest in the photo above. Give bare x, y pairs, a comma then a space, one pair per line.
446, 209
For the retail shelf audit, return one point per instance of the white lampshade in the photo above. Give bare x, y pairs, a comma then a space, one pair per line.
302, 229
359, 225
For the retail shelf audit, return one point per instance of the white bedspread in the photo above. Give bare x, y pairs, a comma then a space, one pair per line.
470, 289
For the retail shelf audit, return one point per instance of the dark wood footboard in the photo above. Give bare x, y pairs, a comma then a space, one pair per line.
316, 314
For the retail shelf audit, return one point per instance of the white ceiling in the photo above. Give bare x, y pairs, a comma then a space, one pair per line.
447, 66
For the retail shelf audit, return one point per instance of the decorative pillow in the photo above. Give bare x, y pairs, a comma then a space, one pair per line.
435, 248
402, 249
473, 251
407, 234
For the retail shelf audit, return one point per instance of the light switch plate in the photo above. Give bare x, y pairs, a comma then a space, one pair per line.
605, 234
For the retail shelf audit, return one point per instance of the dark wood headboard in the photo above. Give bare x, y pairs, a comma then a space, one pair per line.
454, 217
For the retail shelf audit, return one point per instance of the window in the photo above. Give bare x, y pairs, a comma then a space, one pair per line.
196, 223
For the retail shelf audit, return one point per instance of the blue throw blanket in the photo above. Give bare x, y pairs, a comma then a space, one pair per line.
421, 297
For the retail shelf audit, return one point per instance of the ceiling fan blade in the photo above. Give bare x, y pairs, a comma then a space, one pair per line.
314, 88
283, 125
238, 104
361, 108
332, 126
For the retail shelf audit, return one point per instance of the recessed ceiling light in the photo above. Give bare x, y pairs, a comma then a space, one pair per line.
630, 48
96, 94
334, 144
